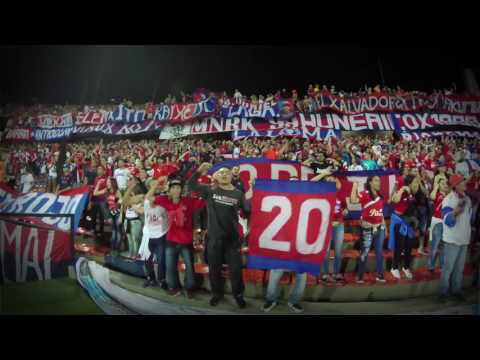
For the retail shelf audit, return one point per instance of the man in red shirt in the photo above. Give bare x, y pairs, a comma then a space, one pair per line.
180, 236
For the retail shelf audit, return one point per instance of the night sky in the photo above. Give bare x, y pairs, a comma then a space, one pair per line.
59, 74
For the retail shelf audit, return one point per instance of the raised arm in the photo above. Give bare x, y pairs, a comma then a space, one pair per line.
203, 190
284, 148
433, 194
323, 173
153, 187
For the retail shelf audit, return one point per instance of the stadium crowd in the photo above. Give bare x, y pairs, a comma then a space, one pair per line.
20, 115
158, 195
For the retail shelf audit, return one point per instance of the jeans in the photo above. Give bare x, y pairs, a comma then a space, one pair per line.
133, 229
99, 208
402, 244
422, 225
172, 251
454, 264
273, 289
157, 250
368, 236
337, 244
437, 233
117, 231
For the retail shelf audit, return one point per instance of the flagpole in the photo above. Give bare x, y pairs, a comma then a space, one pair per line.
154, 91
381, 71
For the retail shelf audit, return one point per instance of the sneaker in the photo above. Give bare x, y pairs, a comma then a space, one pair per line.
189, 294
360, 280
268, 306
407, 273
339, 278
240, 302
215, 300
296, 308
174, 292
380, 278
396, 274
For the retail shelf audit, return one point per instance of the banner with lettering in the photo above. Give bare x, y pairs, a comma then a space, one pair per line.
420, 122
52, 134
251, 127
265, 110
19, 135
31, 253
69, 202
390, 103
265, 169
308, 133
418, 135
126, 115
91, 118
112, 129
291, 225
185, 112
53, 121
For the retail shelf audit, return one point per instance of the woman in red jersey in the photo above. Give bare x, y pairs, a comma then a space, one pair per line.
372, 223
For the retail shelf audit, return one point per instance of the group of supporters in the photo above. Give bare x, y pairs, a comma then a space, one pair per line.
22, 115
161, 202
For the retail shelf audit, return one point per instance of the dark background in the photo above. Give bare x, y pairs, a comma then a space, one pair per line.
88, 74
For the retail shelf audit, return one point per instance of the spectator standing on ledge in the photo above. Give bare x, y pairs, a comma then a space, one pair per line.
223, 205
372, 224
456, 212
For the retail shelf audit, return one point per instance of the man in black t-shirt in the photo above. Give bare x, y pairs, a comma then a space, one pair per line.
223, 205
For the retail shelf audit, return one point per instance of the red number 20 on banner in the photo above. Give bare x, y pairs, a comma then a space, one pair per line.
291, 225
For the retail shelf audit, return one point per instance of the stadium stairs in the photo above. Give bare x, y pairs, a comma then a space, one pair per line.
423, 284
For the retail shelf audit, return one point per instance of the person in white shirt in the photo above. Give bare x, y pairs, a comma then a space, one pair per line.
456, 214
26, 181
121, 175
155, 229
